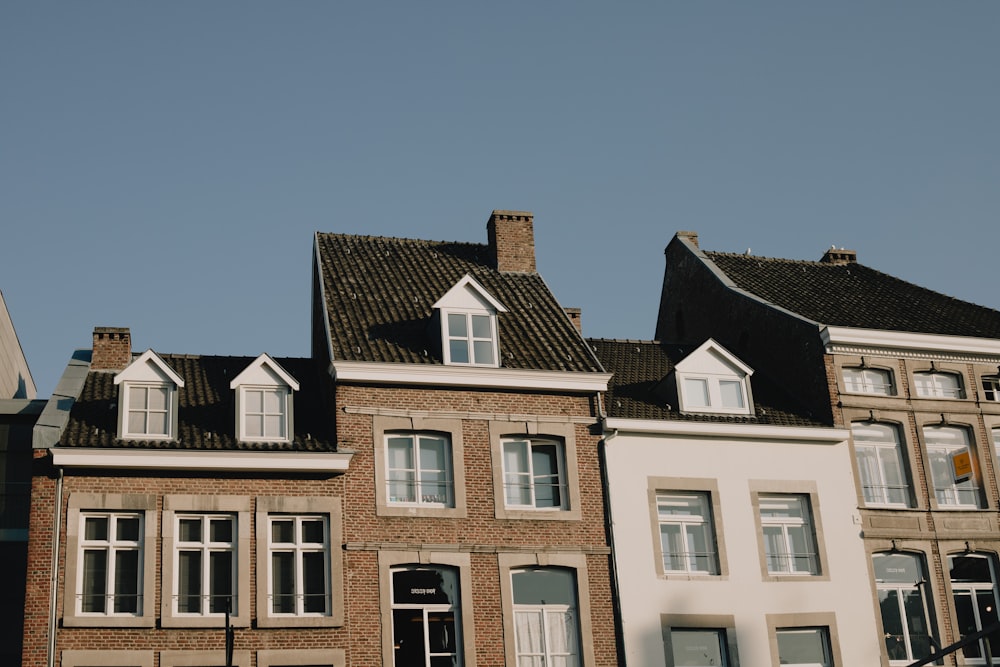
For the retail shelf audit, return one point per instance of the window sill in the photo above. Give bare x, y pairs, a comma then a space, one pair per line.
537, 515
298, 622
109, 621
421, 511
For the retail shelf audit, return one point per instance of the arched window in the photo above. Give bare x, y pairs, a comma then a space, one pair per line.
425, 617
868, 381
933, 384
880, 463
901, 585
945, 446
974, 587
546, 629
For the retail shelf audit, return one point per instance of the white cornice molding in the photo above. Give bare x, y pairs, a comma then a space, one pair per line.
232, 461
818, 434
849, 340
465, 376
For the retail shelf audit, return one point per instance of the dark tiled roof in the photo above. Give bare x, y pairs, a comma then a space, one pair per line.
854, 295
639, 366
206, 411
380, 290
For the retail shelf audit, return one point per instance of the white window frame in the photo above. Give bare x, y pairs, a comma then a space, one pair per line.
284, 412
428, 609
974, 590
298, 547
528, 479
689, 526
875, 455
545, 612
787, 560
867, 380
932, 384
417, 471
470, 339
111, 546
900, 589
949, 493
824, 635
713, 389
991, 388
129, 408
205, 546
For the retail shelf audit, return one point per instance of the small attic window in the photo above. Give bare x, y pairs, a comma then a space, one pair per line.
711, 380
468, 316
147, 405
264, 402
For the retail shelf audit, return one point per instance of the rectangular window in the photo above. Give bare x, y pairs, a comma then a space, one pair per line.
110, 563
901, 584
938, 385
944, 445
868, 381
789, 543
264, 413
426, 623
884, 480
419, 470
205, 564
148, 410
687, 538
698, 647
991, 388
973, 584
534, 476
471, 339
804, 647
299, 554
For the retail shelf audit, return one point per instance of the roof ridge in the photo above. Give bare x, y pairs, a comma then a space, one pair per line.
743, 255
631, 341
399, 239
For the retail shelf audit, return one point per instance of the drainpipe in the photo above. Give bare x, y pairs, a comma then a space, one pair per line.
54, 584
602, 454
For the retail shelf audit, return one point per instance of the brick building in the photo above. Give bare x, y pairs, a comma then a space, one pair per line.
914, 375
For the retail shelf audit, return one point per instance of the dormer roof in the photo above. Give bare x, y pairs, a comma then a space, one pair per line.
264, 371
149, 367
467, 294
710, 357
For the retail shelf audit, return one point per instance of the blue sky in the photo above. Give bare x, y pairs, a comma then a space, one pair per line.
163, 166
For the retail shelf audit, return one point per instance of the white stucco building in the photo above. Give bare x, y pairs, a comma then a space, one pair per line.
735, 524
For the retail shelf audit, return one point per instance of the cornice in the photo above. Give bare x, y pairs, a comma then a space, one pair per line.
231, 461
818, 434
464, 376
849, 340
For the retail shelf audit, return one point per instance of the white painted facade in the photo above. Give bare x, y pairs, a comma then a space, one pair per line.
733, 462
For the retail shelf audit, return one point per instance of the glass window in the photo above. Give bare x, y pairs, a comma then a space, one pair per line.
546, 630
299, 549
973, 583
805, 647
714, 394
425, 617
868, 381
264, 413
687, 539
901, 584
471, 339
991, 388
204, 580
148, 411
789, 544
938, 385
419, 470
111, 563
944, 444
534, 474
699, 647
884, 480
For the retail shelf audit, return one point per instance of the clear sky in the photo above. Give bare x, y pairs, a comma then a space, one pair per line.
163, 166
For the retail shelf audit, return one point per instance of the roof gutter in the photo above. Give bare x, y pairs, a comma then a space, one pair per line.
850, 340
816, 434
467, 376
221, 461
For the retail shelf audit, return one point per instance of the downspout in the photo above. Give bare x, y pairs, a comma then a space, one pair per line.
609, 530
54, 584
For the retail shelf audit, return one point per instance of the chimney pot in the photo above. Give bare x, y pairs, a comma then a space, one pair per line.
839, 256
512, 240
112, 349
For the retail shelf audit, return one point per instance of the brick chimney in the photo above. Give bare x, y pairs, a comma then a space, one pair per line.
112, 349
690, 236
575, 316
839, 256
512, 240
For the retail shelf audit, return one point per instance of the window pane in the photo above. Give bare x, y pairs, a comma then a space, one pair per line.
432, 454
136, 422
312, 531
457, 326
221, 530
481, 326
483, 351
544, 586
806, 646
283, 531
128, 528
408, 637
283, 582
314, 581
137, 398
697, 648
157, 398
126, 581
189, 582
696, 393
401, 453
544, 461
254, 426
459, 351
95, 573
220, 577
517, 476
732, 394
274, 426
95, 528
189, 530
254, 399
425, 585
272, 401
672, 543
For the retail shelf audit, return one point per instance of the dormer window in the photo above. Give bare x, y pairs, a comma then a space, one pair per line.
147, 407
264, 402
468, 316
868, 381
933, 384
711, 380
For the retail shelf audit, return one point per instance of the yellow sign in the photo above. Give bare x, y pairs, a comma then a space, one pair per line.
961, 465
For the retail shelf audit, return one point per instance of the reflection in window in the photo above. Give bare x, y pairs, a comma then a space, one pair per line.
880, 463
546, 631
300, 560
534, 474
687, 540
944, 443
425, 611
698, 647
868, 381
806, 647
973, 583
901, 585
205, 572
111, 563
419, 470
789, 544
991, 388
938, 385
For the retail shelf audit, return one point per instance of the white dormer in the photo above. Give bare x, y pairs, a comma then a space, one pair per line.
264, 402
468, 316
147, 399
711, 380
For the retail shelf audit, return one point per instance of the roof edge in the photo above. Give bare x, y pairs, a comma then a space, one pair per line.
854, 341
462, 376
818, 434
